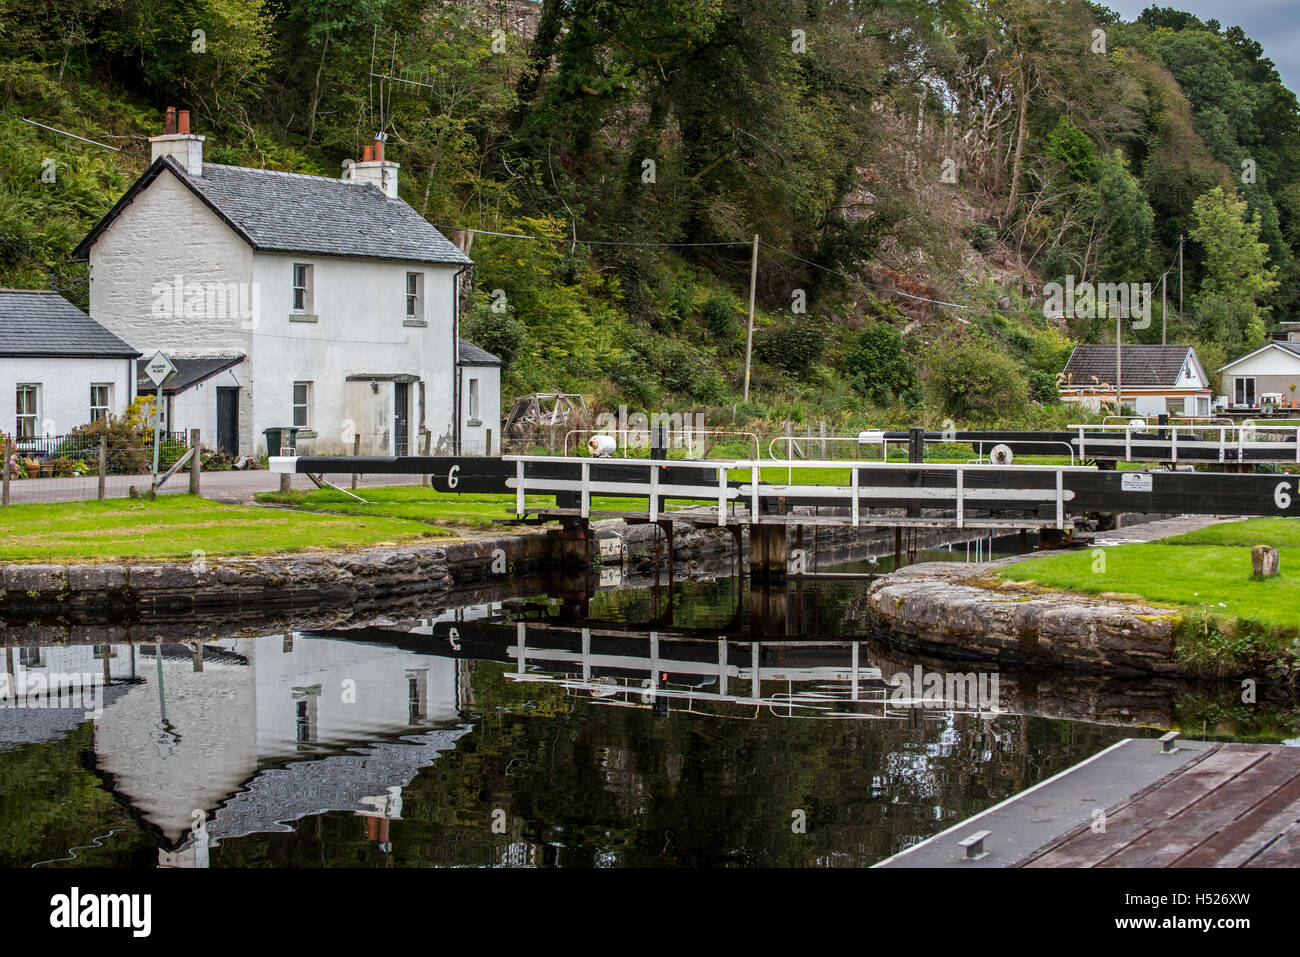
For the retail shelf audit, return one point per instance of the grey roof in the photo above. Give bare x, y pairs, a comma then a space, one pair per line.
1141, 365
469, 354
190, 370
298, 213
38, 322
334, 783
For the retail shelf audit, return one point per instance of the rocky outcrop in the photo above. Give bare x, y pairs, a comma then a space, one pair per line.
959, 610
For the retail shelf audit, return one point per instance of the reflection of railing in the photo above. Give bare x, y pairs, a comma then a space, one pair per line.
843, 690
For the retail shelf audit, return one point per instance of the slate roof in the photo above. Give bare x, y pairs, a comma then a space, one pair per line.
298, 213
38, 322
190, 371
1142, 365
469, 354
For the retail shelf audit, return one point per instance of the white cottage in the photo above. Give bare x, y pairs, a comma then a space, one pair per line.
480, 400
285, 300
58, 367
1268, 376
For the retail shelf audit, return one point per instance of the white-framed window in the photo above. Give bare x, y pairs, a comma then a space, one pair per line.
302, 404
415, 295
302, 291
1244, 391
473, 398
28, 404
101, 401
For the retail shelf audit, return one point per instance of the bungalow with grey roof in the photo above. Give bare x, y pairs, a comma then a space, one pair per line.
58, 367
1152, 380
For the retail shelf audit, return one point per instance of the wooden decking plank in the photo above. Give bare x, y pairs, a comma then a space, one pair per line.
1232, 800
1157, 804
1236, 844
1284, 852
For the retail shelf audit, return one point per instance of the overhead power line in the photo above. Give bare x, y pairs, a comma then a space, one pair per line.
54, 129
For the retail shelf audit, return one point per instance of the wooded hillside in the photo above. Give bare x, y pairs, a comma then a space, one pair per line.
916, 171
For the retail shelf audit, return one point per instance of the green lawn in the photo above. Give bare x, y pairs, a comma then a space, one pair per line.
1205, 571
421, 503
175, 526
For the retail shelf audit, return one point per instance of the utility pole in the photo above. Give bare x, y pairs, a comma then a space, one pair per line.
1119, 342
1164, 316
749, 336
1180, 275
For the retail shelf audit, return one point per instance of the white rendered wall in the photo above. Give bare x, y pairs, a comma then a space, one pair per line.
64, 396
360, 308
474, 438
164, 233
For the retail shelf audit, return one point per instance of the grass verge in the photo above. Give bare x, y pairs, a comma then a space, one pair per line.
1229, 617
176, 526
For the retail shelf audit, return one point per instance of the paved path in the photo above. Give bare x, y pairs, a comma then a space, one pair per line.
1162, 528
221, 486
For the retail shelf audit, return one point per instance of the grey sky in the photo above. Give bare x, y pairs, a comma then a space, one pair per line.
1274, 24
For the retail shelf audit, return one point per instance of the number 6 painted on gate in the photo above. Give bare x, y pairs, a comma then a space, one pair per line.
453, 481
1281, 497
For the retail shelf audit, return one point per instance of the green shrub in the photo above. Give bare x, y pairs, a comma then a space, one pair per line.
794, 346
500, 333
971, 380
1042, 387
876, 365
720, 317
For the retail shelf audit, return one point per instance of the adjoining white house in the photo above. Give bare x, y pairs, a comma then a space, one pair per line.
286, 300
480, 401
1268, 376
58, 367
1154, 380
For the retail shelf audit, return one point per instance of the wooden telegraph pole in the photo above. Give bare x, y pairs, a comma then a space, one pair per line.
749, 336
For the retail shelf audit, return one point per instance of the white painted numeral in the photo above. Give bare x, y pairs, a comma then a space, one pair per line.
453, 480
1282, 495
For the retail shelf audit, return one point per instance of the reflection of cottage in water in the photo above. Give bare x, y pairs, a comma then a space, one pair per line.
257, 732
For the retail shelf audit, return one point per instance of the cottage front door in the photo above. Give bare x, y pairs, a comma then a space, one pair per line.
228, 419
401, 430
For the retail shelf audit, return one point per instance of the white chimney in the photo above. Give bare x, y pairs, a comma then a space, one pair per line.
373, 168
178, 142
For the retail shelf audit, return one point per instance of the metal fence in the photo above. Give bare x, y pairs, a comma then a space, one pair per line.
74, 454
53, 468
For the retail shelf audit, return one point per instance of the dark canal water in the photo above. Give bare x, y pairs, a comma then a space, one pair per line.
610, 729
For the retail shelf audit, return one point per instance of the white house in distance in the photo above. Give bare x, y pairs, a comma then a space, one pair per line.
1154, 380
286, 300
480, 401
58, 367
1269, 374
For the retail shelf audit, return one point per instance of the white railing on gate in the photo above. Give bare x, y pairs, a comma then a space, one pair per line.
755, 491
1236, 437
